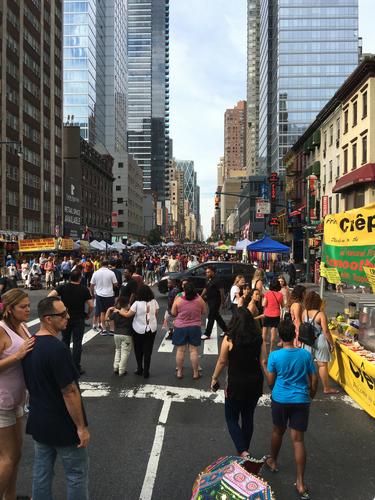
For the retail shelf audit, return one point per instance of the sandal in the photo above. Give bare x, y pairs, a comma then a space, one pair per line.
179, 374
196, 377
305, 495
268, 466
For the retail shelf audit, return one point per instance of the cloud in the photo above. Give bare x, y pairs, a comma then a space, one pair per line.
207, 76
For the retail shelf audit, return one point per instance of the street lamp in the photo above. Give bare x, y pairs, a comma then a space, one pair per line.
19, 148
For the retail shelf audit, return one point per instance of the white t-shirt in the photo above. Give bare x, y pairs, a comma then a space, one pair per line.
140, 321
235, 289
104, 279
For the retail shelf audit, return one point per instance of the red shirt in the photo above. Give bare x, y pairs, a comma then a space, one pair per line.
274, 302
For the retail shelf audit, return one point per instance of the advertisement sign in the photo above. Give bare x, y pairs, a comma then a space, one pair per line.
370, 273
159, 214
356, 375
264, 191
349, 243
114, 219
324, 206
312, 193
65, 244
72, 219
39, 245
262, 208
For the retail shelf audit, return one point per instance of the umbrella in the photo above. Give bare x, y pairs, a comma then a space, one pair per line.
222, 247
137, 244
231, 478
242, 245
268, 245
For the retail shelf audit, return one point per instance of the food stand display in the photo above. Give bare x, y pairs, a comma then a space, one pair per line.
45, 245
348, 256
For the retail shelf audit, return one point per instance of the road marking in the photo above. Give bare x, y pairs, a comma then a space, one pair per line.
90, 334
166, 345
153, 461
33, 322
210, 345
94, 389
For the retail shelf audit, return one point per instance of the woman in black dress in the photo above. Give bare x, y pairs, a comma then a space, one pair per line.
242, 351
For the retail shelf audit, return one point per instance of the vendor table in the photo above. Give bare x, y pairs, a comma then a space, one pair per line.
355, 374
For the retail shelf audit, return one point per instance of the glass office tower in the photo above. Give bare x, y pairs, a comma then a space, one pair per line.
307, 49
148, 83
84, 67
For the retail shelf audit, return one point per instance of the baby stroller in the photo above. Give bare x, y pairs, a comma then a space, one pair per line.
35, 282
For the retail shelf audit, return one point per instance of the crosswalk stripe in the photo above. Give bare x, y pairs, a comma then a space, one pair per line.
33, 322
210, 345
166, 345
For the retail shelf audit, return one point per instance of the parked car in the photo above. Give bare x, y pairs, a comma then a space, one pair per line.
226, 271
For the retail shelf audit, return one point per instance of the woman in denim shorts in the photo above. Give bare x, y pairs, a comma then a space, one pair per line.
15, 343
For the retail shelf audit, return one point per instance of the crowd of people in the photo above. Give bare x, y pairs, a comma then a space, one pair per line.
261, 341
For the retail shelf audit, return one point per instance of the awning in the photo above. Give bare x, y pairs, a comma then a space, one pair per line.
360, 175
297, 212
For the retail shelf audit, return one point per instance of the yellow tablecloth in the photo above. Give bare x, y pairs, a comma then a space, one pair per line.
355, 374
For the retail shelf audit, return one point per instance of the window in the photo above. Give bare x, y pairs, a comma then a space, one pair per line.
330, 168
120, 165
355, 113
364, 104
325, 141
354, 156
120, 200
31, 203
330, 205
121, 211
12, 172
120, 224
346, 121
337, 167
345, 161
337, 196
331, 135
118, 188
364, 149
12, 198
337, 132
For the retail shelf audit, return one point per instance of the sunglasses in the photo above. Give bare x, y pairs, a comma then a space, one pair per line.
63, 314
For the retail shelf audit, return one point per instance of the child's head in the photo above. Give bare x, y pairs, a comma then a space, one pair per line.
122, 302
287, 331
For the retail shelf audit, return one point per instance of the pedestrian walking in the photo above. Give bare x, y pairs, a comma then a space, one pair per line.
241, 351
173, 290
292, 272
25, 270
321, 350
144, 312
66, 267
213, 293
235, 292
88, 271
49, 268
285, 290
129, 286
272, 302
123, 334
297, 296
57, 420
188, 311
15, 343
291, 374
103, 283
76, 299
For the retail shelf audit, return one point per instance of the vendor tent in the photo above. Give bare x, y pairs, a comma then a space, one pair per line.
242, 245
117, 246
170, 244
222, 247
268, 245
96, 245
137, 244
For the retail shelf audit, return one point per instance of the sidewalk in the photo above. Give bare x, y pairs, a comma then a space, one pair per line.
335, 302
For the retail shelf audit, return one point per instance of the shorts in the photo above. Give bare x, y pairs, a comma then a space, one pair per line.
271, 322
296, 414
103, 303
9, 417
188, 335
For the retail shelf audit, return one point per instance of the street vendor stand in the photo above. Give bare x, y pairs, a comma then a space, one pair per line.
348, 256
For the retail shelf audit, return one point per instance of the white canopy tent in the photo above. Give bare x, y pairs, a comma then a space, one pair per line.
242, 245
138, 244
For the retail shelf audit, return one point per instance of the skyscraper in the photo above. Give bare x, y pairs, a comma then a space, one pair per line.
148, 74
31, 117
235, 140
307, 48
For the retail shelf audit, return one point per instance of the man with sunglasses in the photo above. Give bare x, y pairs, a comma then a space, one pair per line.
57, 419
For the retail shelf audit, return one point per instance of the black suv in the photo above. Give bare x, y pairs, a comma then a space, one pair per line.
226, 271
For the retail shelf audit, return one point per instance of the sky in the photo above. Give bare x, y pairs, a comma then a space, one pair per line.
208, 75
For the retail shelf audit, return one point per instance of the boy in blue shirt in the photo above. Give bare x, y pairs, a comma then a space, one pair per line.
292, 375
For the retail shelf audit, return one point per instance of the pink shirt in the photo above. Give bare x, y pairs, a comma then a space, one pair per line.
189, 313
274, 301
12, 384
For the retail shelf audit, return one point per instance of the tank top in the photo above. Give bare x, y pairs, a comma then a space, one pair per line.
12, 384
189, 313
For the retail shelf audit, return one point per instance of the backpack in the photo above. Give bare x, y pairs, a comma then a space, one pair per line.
307, 334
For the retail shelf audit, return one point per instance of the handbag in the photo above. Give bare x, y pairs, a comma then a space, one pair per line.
307, 334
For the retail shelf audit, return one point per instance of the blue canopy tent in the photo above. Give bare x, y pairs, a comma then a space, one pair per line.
268, 245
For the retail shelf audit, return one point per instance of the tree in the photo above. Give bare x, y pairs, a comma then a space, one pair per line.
154, 236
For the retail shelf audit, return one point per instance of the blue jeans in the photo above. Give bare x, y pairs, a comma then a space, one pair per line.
241, 435
76, 465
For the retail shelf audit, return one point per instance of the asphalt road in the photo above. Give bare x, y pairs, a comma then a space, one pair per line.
150, 439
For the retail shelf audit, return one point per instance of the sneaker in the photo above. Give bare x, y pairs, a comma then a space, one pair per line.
169, 336
104, 333
222, 334
95, 328
205, 337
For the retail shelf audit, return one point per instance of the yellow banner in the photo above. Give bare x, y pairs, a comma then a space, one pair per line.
353, 228
356, 375
39, 245
332, 275
65, 244
370, 274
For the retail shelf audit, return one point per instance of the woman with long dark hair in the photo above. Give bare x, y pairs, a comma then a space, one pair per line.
188, 310
241, 351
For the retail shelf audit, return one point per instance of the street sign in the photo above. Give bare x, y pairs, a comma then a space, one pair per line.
274, 221
325, 210
262, 208
274, 177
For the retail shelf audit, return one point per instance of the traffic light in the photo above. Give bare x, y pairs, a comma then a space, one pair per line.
217, 201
